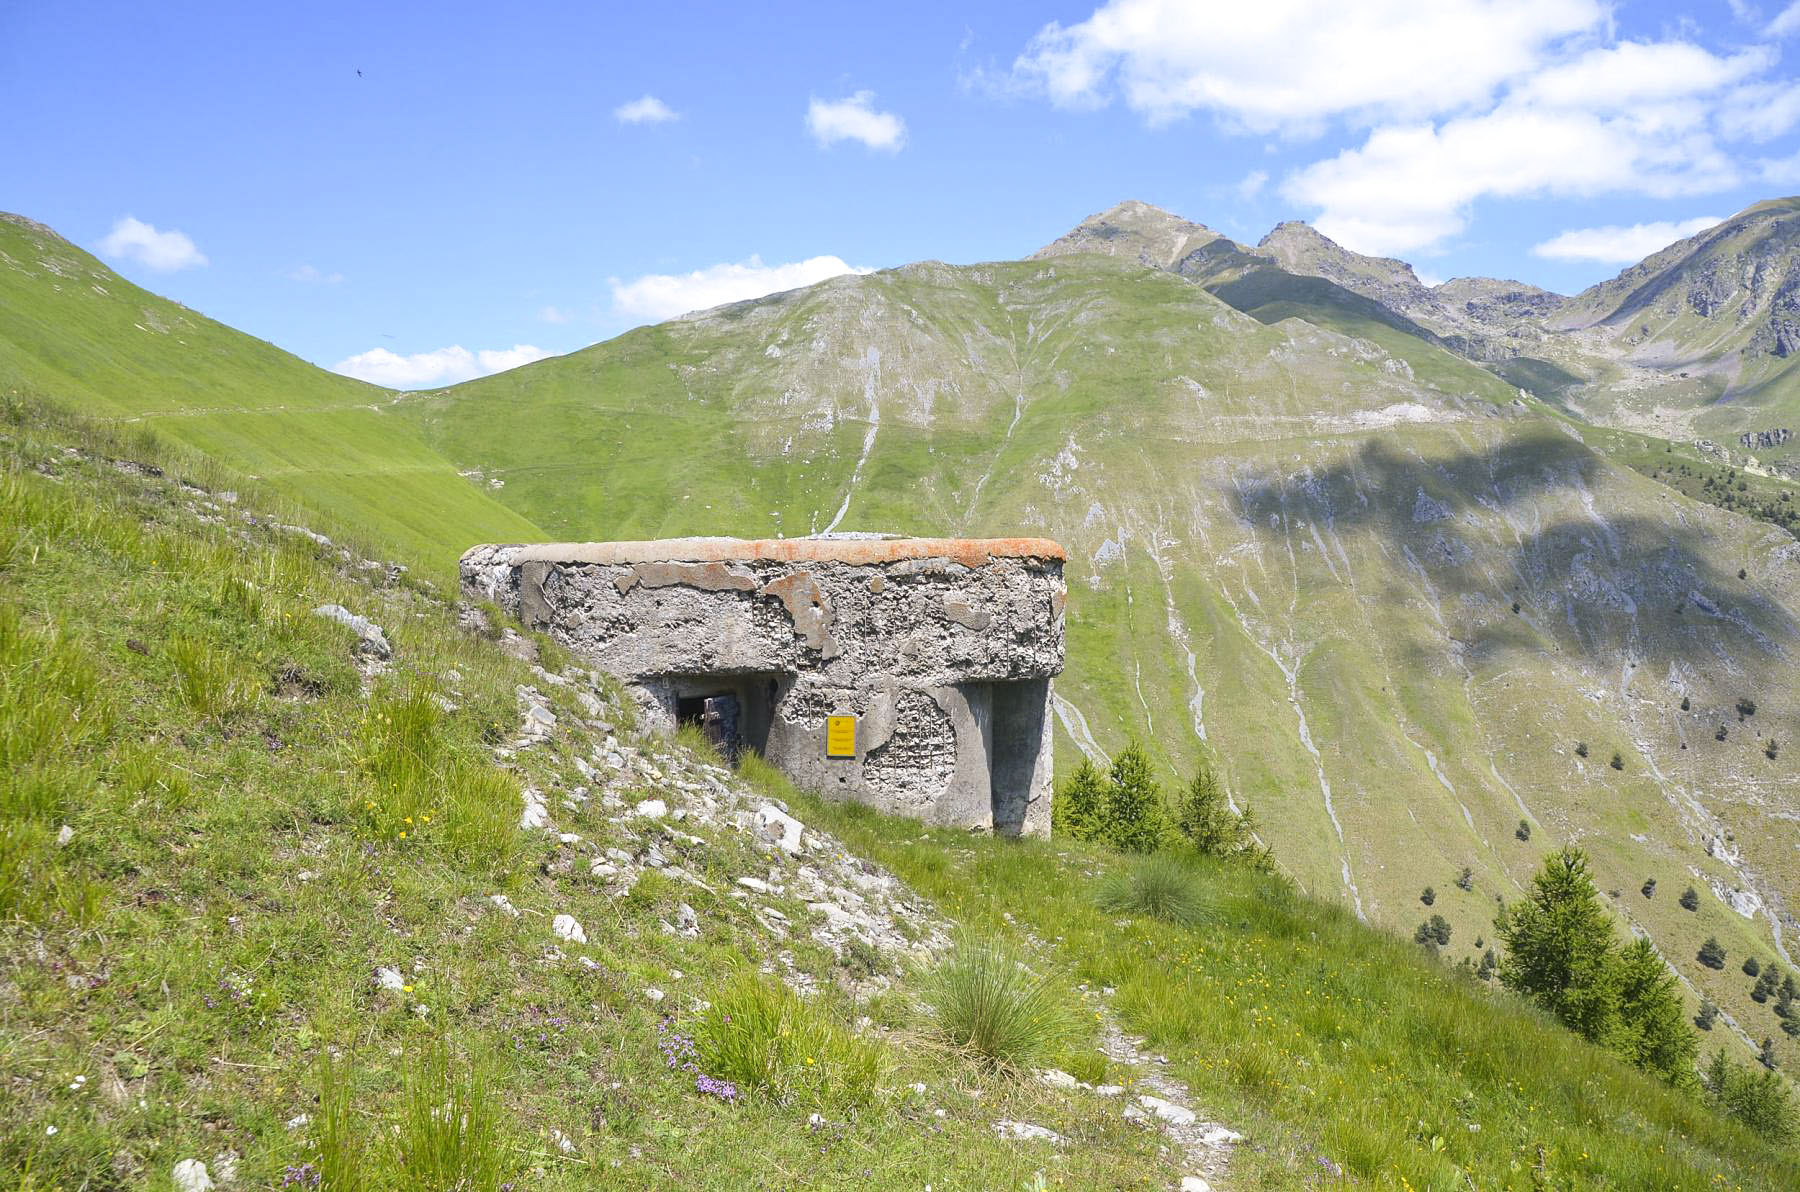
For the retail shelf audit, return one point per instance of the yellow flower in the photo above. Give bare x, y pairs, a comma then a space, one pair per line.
407, 988
403, 836
409, 819
427, 819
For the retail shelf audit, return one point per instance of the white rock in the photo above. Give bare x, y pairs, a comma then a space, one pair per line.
1056, 1078
298, 1121
1193, 1183
374, 642
654, 995
190, 1176
563, 1142
781, 827
226, 1164
756, 885
536, 813
569, 838
504, 903
1168, 1111
564, 927
390, 978
1026, 1131
603, 869
64, 835
1109, 1090
652, 809
1219, 1137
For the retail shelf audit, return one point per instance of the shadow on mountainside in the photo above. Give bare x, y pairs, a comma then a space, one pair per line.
1525, 524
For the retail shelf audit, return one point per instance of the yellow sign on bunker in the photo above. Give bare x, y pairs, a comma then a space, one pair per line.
840, 736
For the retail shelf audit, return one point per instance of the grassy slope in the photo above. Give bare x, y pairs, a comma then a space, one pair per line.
1208, 477
236, 873
78, 334
1328, 1041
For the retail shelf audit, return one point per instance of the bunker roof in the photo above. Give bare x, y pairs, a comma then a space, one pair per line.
858, 551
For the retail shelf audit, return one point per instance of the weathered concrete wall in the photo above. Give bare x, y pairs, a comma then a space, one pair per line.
943, 649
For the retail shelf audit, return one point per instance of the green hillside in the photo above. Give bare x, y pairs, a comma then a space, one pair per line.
1292, 547
75, 333
265, 906
1387, 594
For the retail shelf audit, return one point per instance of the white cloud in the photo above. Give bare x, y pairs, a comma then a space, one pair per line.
665, 295
446, 366
1615, 245
855, 119
1760, 111
1787, 23
1632, 118
134, 240
1411, 187
645, 110
1290, 64
310, 275
1252, 183
553, 315
1636, 73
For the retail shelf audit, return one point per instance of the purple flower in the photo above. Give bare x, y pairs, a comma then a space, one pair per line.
303, 1175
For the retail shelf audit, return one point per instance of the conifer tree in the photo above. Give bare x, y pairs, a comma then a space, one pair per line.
1560, 950
1758, 1099
1712, 953
1654, 1033
1080, 803
1204, 816
1205, 819
1134, 815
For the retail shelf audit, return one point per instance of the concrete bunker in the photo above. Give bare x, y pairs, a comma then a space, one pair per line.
911, 674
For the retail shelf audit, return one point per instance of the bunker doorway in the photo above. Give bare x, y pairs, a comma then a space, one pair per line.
717, 717
731, 710
1016, 731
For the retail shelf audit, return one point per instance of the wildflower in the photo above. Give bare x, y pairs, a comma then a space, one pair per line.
403, 836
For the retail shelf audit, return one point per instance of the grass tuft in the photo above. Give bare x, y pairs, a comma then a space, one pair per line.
208, 681
1159, 886
986, 1003
759, 1035
450, 1130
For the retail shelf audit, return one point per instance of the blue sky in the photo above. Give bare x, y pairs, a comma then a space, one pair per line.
507, 181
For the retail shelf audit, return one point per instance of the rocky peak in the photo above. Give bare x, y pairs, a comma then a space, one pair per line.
1136, 231
1301, 248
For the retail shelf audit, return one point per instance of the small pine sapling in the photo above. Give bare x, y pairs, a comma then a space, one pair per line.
1690, 899
1712, 953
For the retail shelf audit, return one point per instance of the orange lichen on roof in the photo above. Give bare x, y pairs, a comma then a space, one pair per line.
970, 552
